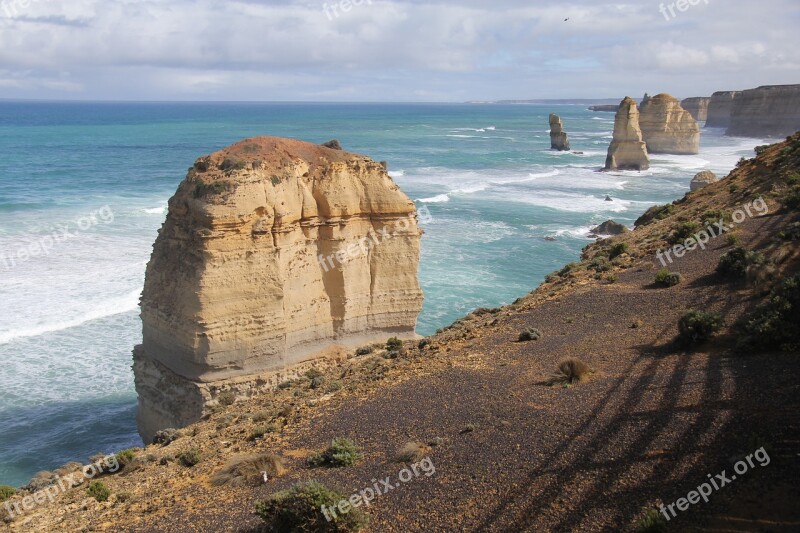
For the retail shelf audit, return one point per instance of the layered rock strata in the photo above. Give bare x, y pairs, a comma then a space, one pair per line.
768, 111
667, 128
275, 253
697, 107
559, 140
627, 150
720, 109
703, 179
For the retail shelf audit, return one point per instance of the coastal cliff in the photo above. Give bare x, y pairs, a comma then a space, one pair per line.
627, 150
768, 111
274, 253
667, 128
720, 108
697, 107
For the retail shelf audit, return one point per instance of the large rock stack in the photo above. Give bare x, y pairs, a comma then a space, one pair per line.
627, 150
768, 111
667, 128
720, 109
558, 137
697, 107
274, 253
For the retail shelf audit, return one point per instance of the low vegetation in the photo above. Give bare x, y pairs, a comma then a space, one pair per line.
203, 189
190, 457
569, 372
618, 249
665, 278
6, 492
696, 327
299, 509
529, 334
341, 452
734, 263
683, 232
652, 522
412, 452
98, 491
249, 470
774, 325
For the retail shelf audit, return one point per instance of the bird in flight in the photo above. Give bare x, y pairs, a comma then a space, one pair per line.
566, 19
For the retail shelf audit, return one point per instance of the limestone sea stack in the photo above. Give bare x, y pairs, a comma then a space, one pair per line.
274, 253
627, 151
667, 128
768, 111
697, 107
702, 180
558, 137
720, 109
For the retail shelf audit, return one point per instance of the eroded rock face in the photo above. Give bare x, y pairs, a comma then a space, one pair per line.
627, 150
609, 227
720, 109
769, 111
667, 128
558, 137
703, 179
697, 107
274, 253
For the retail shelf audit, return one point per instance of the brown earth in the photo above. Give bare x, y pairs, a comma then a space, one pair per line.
513, 453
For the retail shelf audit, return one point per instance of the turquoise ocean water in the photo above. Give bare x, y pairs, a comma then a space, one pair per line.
83, 191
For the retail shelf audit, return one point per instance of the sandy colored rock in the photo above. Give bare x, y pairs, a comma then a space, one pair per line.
697, 107
768, 111
275, 252
720, 109
702, 179
627, 150
559, 140
667, 128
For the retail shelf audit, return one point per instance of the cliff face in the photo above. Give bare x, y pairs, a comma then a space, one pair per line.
627, 150
273, 253
667, 128
769, 111
697, 107
558, 137
720, 108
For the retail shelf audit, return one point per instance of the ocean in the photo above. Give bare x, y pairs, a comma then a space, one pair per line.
84, 189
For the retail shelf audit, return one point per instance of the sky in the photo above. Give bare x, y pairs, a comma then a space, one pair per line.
392, 51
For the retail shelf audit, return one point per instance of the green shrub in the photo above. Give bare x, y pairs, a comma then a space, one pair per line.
530, 334
665, 278
761, 149
394, 344
231, 163
6, 492
711, 217
734, 263
204, 189
600, 264
260, 431
792, 198
299, 510
226, 398
190, 457
569, 268
657, 212
618, 249
125, 457
652, 522
696, 327
98, 491
732, 239
790, 232
774, 325
342, 452
683, 232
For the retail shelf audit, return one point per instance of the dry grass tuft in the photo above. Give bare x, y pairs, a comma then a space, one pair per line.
412, 452
569, 372
248, 470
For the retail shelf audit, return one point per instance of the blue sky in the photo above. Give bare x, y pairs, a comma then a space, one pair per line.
392, 50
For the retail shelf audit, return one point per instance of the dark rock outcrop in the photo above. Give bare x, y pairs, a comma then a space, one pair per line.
609, 227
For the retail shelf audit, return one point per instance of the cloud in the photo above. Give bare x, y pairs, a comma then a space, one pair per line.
387, 50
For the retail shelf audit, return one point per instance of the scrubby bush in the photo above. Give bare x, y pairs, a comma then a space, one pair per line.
665, 278
792, 198
696, 327
411, 452
600, 264
98, 491
618, 249
569, 268
6, 492
652, 522
683, 232
657, 212
125, 457
166, 436
711, 217
530, 334
226, 398
260, 431
569, 372
190, 457
299, 509
205, 189
394, 344
734, 263
342, 452
364, 350
249, 470
774, 325
231, 163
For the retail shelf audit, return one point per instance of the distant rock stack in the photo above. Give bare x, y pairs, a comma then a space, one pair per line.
697, 107
275, 253
768, 111
627, 151
667, 128
558, 137
720, 109
703, 179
